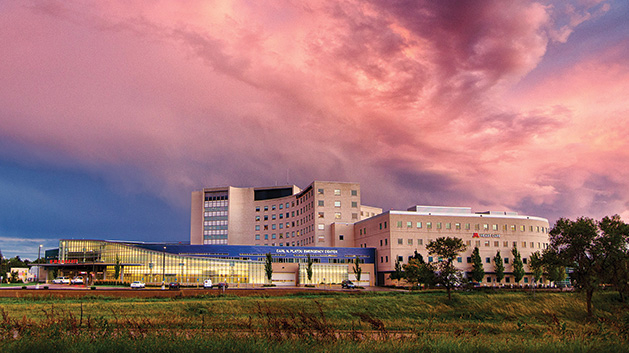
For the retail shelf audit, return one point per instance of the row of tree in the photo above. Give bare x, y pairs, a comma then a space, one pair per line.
593, 253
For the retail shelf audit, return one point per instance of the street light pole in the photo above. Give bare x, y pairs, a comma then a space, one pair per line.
164, 269
38, 268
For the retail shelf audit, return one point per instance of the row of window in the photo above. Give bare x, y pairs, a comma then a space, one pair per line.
337, 192
477, 243
467, 226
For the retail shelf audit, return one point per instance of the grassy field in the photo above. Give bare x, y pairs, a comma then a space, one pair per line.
318, 322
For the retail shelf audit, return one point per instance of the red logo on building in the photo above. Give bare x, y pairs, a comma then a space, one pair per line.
475, 235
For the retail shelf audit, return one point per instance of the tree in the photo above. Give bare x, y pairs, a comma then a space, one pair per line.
117, 268
518, 266
418, 272
614, 241
309, 269
553, 267
268, 267
447, 249
536, 266
397, 273
577, 245
499, 267
478, 272
357, 269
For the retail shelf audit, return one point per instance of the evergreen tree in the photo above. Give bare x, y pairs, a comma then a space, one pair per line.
268, 267
478, 272
309, 269
536, 265
357, 269
397, 274
499, 267
518, 266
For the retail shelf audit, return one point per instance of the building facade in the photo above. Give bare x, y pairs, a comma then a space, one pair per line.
277, 216
397, 235
190, 265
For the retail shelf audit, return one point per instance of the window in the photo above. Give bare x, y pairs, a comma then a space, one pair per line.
266, 227
380, 242
320, 191
513, 227
467, 226
385, 225
321, 226
354, 204
257, 208
266, 208
496, 243
468, 242
487, 243
524, 260
526, 280
409, 224
469, 260
266, 237
420, 241
459, 259
524, 244
410, 242
354, 192
505, 244
522, 228
354, 215
337, 192
273, 217
507, 279
386, 259
337, 215
478, 243
429, 258
485, 226
257, 227
399, 224
419, 224
281, 206
337, 203
448, 226
494, 227
532, 244
257, 236
266, 217
506, 260
257, 218
273, 208
341, 236
438, 225
273, 236
488, 279
428, 225
487, 260
457, 226
320, 203
400, 241
321, 214
273, 226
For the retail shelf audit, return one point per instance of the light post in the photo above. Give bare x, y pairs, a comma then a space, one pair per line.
37, 273
164, 269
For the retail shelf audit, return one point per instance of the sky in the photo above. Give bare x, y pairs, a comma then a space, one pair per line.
113, 112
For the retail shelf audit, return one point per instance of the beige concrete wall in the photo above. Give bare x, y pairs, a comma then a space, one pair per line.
196, 218
386, 239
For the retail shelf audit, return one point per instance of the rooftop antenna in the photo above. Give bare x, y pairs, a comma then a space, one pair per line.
287, 170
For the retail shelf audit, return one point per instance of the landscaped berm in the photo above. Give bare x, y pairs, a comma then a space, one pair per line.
317, 322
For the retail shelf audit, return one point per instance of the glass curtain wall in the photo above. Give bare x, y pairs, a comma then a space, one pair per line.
153, 267
323, 273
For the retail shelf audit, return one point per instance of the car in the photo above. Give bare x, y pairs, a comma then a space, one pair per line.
173, 285
77, 280
61, 280
222, 285
138, 284
207, 283
348, 284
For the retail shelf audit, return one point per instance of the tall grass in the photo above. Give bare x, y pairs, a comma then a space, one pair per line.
471, 322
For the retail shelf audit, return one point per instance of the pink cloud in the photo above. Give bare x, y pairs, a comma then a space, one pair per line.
418, 96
